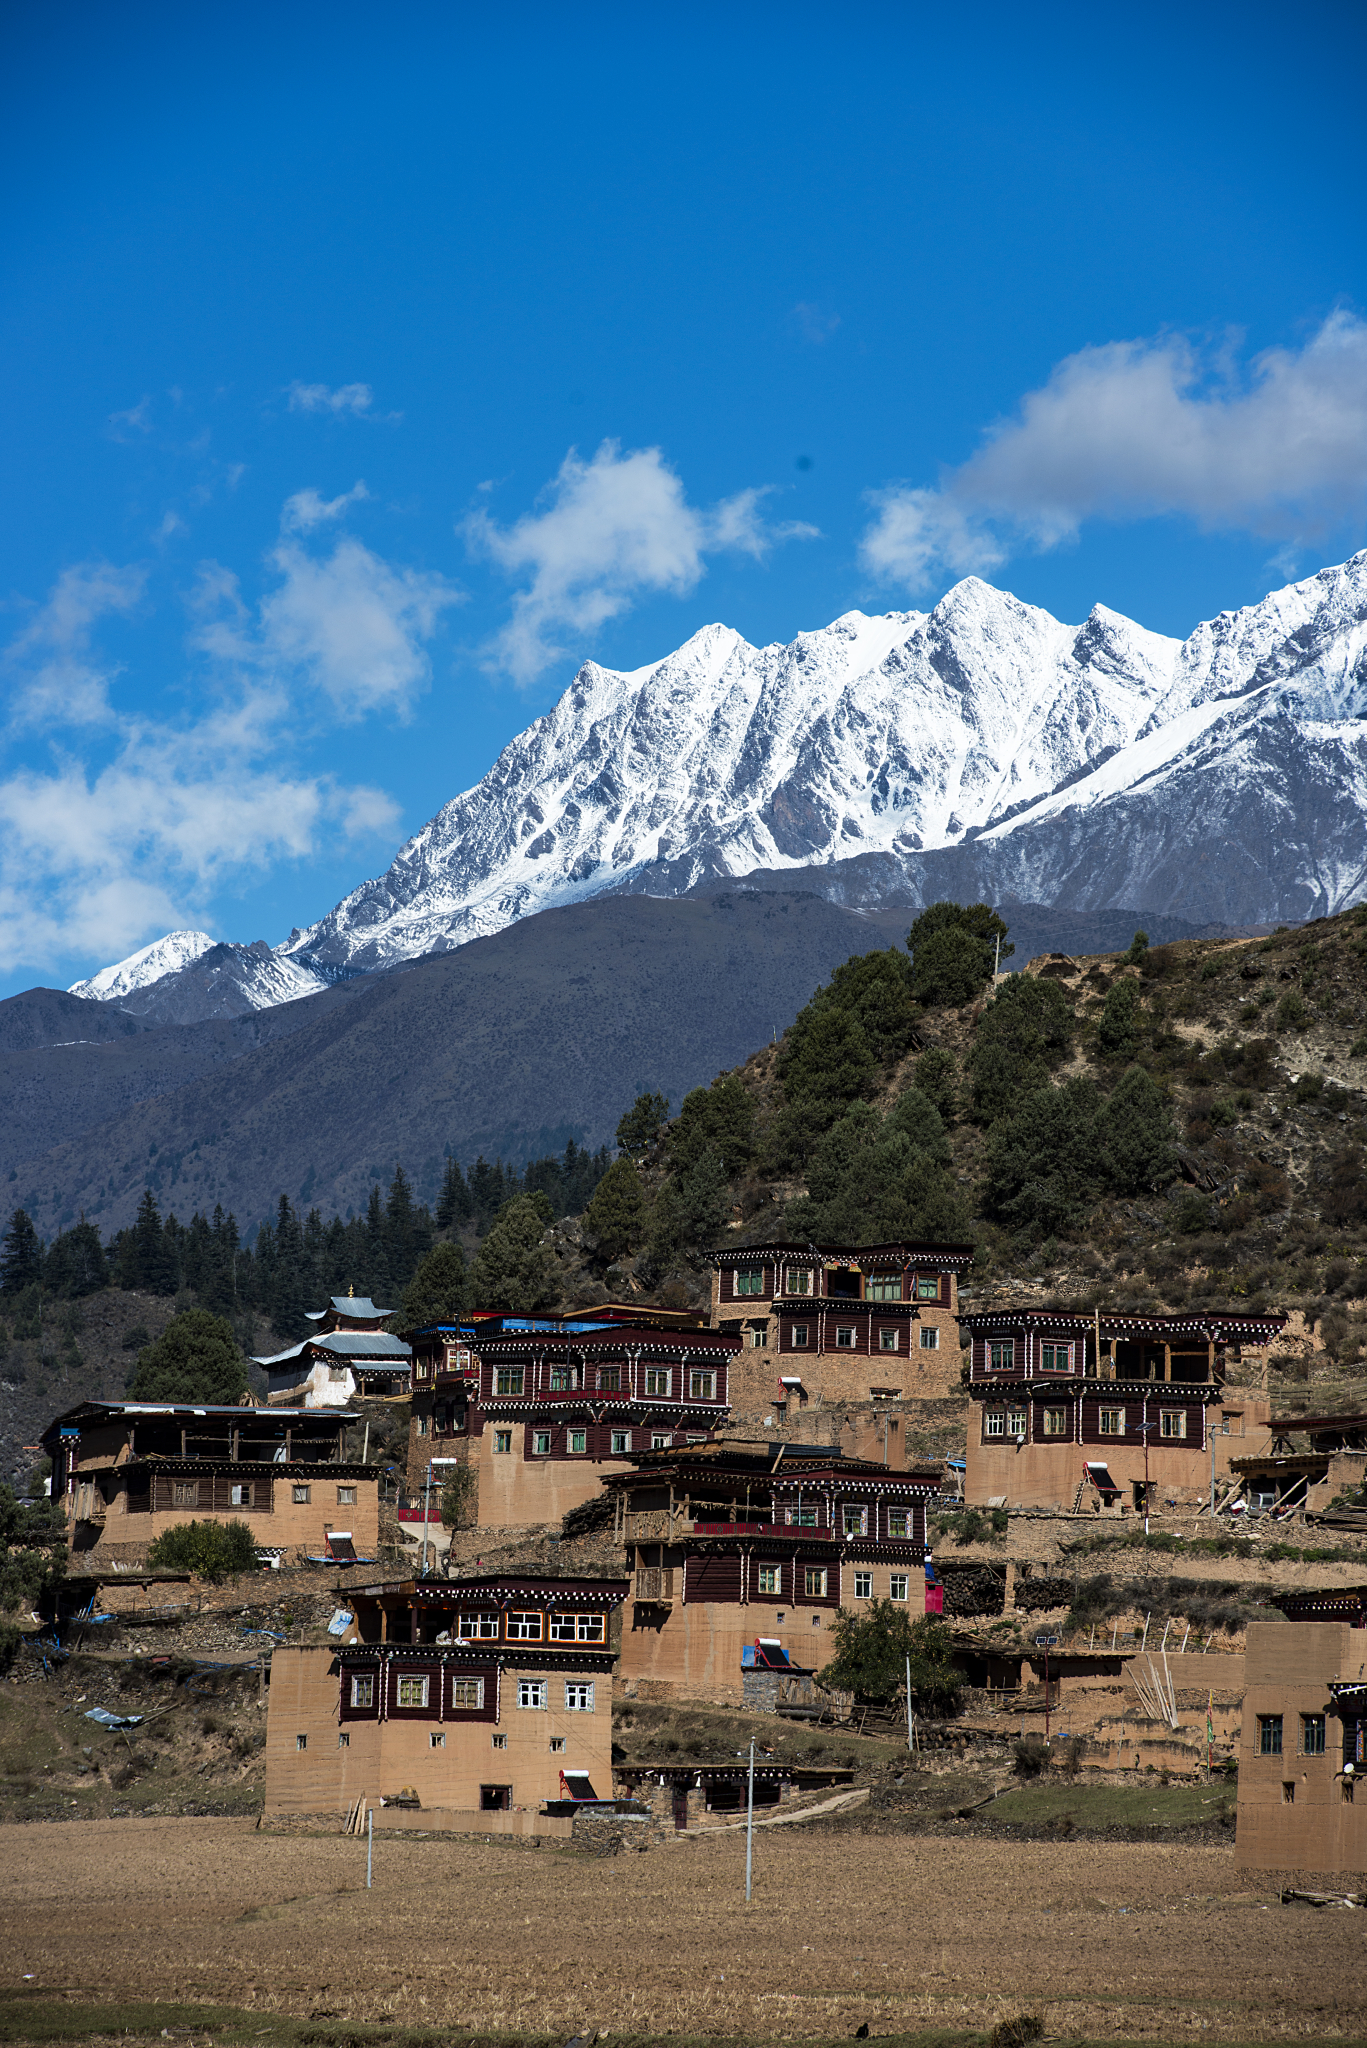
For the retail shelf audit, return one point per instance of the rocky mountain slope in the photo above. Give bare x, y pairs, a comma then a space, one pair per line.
980, 749
164, 956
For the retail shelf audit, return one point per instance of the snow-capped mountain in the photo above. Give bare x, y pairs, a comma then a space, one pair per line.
979, 746
980, 749
148, 964
214, 981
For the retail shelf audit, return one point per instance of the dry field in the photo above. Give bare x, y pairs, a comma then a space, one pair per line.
1136, 1942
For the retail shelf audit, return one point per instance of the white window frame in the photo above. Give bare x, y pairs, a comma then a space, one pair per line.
904, 1515
899, 1586
467, 1706
930, 1337
1051, 1416
519, 1625
769, 1580
883, 1287
854, 1520
995, 1347
816, 1572
744, 1277
577, 1442
242, 1494
300, 1496
994, 1423
346, 1496
659, 1379
799, 1336
541, 1443
927, 1287
406, 1681
509, 1381
579, 1695
845, 1335
1111, 1422
591, 1628
660, 1439
798, 1280
702, 1384
863, 1585
889, 1339
479, 1627
531, 1695
503, 1443
1177, 1416
1017, 1422
621, 1443
363, 1690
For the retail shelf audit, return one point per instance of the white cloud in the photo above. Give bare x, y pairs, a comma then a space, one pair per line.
816, 324
1142, 429
356, 399
306, 509
53, 675
611, 528
137, 419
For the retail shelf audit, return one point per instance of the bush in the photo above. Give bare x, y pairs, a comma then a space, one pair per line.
1119, 1024
211, 1550
1291, 1012
1032, 1756
871, 1652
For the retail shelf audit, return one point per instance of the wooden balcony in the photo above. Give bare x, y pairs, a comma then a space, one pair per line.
655, 1585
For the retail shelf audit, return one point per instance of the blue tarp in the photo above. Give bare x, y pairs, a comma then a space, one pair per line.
108, 1720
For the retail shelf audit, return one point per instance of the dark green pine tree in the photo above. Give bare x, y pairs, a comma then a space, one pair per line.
454, 1206
376, 1254
21, 1255
153, 1252
285, 1303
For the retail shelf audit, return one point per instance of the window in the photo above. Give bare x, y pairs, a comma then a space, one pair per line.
524, 1626
883, 1287
750, 1283
1057, 1422
621, 1442
887, 1340
928, 1287
500, 1742
1269, 1734
609, 1379
657, 1380
422, 1425
337, 1372
702, 1386
660, 1440
436, 1740
1056, 1357
930, 1337
562, 1379
467, 1694
531, 1692
508, 1379
855, 1521
897, 1522
503, 1443
577, 1442
241, 1496
592, 1628
897, 1585
804, 1515
1312, 1735
1172, 1423
301, 1496
557, 1744
768, 1580
185, 1493
343, 1740
798, 1338
757, 1336
1015, 1422
413, 1691
994, 1422
363, 1689
346, 1496
863, 1585
799, 1280
541, 1443
1001, 1356
844, 1337
578, 1696
1113, 1422
814, 1581
477, 1628
301, 1742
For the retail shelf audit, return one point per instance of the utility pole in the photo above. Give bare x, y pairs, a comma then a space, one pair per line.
750, 1824
1045, 1643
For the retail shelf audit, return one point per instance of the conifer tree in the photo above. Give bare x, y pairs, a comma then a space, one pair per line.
21, 1255
616, 1217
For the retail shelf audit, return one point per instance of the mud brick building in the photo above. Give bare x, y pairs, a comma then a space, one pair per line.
823, 1323
1304, 1743
1306, 1461
740, 1553
1070, 1410
125, 1471
539, 1406
475, 1698
349, 1355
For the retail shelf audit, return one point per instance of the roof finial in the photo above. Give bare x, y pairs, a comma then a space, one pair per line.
351, 1291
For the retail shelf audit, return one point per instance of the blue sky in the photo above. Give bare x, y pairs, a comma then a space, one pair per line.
366, 370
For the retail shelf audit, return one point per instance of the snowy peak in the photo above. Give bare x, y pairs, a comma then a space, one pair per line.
907, 735
164, 956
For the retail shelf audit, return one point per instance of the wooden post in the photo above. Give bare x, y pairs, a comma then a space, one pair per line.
1167, 1363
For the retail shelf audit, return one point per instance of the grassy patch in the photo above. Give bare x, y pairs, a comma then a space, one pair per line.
1091, 1809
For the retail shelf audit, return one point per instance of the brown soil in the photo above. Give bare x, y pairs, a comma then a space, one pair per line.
1136, 1942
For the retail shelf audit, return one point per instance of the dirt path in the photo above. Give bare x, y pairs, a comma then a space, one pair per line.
1137, 1941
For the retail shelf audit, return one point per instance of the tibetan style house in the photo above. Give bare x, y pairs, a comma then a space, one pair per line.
539, 1405
1304, 1743
349, 1356
125, 1471
1073, 1411
827, 1323
1306, 1461
741, 1553
465, 1702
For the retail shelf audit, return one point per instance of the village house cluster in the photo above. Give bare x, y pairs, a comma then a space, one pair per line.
754, 1470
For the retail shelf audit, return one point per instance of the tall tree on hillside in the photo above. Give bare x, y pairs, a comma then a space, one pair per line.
154, 1261
514, 1271
376, 1252
616, 1217
76, 1263
439, 1291
454, 1206
195, 1359
642, 1124
21, 1255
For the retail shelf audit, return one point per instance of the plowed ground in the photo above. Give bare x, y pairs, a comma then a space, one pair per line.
1137, 1942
